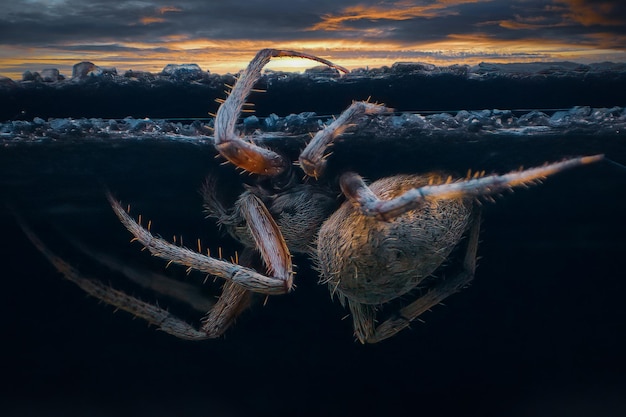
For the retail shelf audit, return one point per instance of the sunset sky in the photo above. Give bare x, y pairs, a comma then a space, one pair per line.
221, 36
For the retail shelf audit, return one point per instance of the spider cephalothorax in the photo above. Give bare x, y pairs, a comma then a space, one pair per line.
374, 244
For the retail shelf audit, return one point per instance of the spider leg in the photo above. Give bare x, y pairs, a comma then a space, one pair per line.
219, 317
364, 315
240, 152
267, 236
313, 158
363, 320
182, 291
355, 189
151, 313
232, 302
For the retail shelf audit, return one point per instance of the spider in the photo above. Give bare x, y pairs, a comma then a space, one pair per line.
379, 243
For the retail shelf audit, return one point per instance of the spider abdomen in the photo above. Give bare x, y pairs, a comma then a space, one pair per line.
371, 261
299, 212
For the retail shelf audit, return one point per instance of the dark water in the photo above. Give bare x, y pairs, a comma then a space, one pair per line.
540, 332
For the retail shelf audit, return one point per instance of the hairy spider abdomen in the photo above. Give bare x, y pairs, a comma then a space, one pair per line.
371, 261
299, 212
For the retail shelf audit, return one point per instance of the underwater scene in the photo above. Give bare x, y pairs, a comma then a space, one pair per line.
521, 314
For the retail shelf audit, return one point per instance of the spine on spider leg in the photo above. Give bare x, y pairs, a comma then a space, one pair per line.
313, 158
494, 184
481, 186
245, 155
247, 278
152, 314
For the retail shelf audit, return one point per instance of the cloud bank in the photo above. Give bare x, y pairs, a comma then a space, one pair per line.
222, 36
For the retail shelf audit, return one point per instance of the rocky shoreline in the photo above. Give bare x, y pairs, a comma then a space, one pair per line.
577, 119
187, 91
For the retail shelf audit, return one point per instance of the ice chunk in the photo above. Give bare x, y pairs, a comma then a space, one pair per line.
271, 121
251, 123
50, 75
414, 68
140, 75
534, 118
7, 82
171, 69
183, 72
322, 71
109, 71
444, 121
85, 69
30, 76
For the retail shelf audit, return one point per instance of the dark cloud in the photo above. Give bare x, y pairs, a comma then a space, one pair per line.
436, 27
36, 22
28, 22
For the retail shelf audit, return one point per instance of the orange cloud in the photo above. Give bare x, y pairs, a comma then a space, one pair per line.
590, 13
149, 20
169, 9
569, 13
607, 40
398, 11
521, 22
